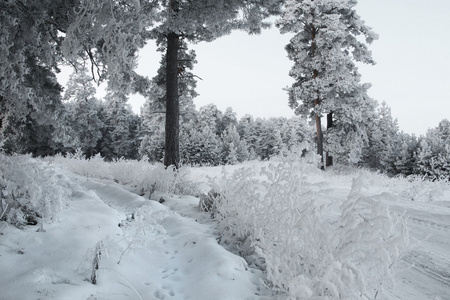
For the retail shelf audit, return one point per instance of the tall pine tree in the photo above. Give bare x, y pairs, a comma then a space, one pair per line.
85, 111
324, 49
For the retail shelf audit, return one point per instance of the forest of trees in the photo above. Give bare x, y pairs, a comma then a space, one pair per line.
101, 39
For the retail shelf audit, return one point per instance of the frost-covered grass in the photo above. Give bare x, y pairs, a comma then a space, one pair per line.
142, 177
417, 188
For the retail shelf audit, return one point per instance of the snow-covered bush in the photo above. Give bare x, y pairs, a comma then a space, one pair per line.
414, 187
30, 189
308, 250
143, 177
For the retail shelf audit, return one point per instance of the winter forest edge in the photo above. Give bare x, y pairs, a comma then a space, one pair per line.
70, 126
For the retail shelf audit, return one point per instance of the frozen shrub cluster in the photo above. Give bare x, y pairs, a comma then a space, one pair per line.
142, 177
30, 189
414, 187
309, 250
419, 188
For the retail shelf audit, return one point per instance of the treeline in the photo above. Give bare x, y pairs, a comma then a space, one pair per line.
397, 153
108, 126
212, 137
209, 136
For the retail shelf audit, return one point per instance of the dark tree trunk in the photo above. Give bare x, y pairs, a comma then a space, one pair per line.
1, 116
2, 112
317, 102
329, 160
319, 140
172, 147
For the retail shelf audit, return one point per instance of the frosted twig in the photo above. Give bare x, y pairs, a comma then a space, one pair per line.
129, 283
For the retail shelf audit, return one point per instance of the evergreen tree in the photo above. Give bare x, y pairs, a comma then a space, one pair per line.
296, 134
324, 48
200, 146
28, 60
352, 119
153, 113
233, 149
210, 116
85, 111
389, 138
106, 36
270, 141
153, 120
87, 124
228, 118
152, 147
120, 127
433, 153
443, 130
249, 134
64, 135
31, 130
382, 135
405, 161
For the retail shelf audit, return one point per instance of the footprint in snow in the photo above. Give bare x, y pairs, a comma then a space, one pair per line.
162, 294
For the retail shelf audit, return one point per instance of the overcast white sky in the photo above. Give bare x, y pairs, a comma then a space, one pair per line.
413, 59
412, 73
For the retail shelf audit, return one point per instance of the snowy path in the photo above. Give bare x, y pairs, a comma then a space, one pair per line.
427, 267
144, 250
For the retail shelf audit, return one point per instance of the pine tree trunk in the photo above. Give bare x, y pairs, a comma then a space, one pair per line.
317, 102
329, 160
172, 148
319, 140
1, 116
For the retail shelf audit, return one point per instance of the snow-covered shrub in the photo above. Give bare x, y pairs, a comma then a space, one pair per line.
141, 176
415, 187
89, 167
233, 205
30, 189
308, 249
171, 181
418, 188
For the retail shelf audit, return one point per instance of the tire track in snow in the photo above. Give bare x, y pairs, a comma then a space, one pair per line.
428, 263
430, 223
433, 266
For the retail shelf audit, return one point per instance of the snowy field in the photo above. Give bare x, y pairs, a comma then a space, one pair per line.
304, 234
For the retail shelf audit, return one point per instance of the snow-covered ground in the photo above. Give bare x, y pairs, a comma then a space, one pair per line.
142, 250
135, 248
